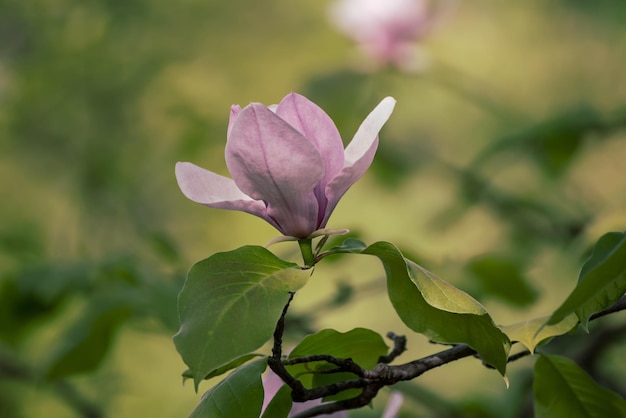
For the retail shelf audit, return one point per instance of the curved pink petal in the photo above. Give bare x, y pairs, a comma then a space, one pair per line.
270, 160
210, 189
312, 122
358, 154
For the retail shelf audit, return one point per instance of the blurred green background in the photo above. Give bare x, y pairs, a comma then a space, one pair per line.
502, 163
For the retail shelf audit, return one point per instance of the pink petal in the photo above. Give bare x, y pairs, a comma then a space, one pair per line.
272, 383
312, 122
210, 189
271, 161
359, 154
393, 405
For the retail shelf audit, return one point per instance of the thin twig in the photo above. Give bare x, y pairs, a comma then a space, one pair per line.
344, 365
275, 361
399, 347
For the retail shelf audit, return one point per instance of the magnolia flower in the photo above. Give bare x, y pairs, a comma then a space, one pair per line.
386, 30
287, 163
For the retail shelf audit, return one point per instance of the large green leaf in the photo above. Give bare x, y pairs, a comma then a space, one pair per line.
562, 389
361, 345
602, 280
239, 395
230, 304
225, 368
432, 307
534, 331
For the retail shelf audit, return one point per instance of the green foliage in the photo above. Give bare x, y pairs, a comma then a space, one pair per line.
98, 99
602, 280
443, 313
533, 332
502, 277
230, 304
239, 395
225, 368
34, 295
532, 220
87, 342
553, 143
563, 390
350, 245
361, 345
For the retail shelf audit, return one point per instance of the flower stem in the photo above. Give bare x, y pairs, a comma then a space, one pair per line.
306, 248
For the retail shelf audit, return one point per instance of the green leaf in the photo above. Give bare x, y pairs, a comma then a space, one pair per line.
230, 304
350, 245
553, 143
227, 367
502, 277
432, 307
562, 389
534, 331
239, 395
602, 280
361, 345
280, 405
87, 342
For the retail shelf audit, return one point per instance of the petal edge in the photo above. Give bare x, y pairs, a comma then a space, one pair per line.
359, 154
216, 191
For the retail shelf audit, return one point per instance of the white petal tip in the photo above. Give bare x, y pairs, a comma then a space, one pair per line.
387, 104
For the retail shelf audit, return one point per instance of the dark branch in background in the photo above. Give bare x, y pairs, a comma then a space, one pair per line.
73, 397
371, 381
12, 368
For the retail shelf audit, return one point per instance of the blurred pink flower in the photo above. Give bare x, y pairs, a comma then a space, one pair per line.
272, 383
386, 30
393, 405
287, 163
